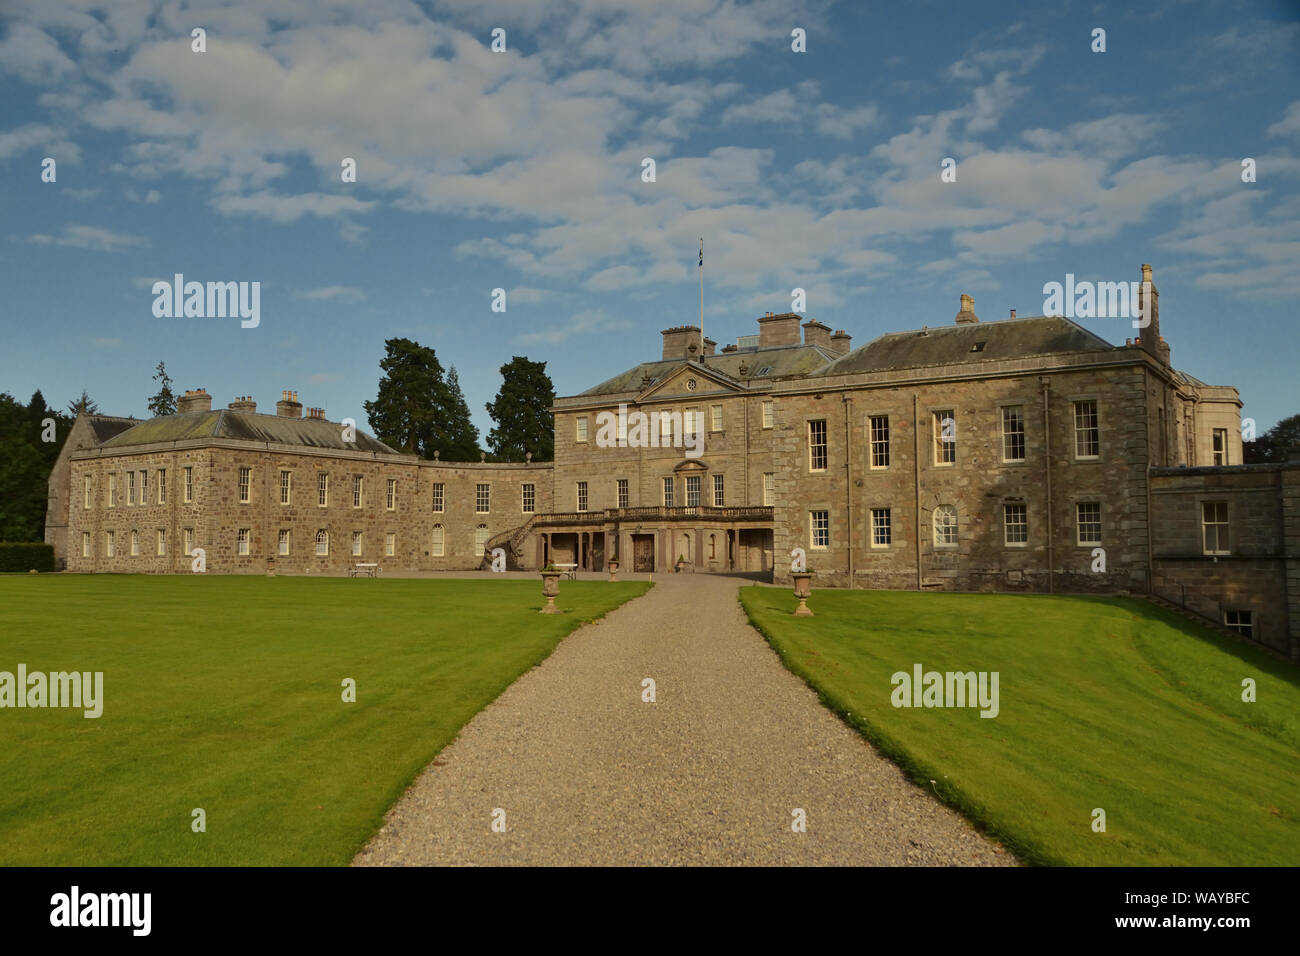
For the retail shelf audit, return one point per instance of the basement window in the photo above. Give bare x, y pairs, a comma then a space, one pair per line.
1240, 621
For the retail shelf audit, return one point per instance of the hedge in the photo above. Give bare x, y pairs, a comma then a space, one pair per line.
26, 555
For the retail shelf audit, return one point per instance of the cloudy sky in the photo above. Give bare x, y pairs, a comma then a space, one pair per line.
522, 170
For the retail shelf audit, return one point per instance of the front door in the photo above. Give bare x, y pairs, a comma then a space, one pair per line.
643, 552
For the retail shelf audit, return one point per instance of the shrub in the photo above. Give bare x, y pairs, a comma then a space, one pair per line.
26, 555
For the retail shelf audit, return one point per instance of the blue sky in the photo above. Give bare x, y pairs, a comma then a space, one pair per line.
522, 170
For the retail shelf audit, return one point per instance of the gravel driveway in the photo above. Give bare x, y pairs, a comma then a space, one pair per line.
588, 773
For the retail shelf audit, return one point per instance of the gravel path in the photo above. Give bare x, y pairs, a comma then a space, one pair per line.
588, 773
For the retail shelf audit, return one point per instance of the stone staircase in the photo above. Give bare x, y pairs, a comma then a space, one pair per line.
512, 541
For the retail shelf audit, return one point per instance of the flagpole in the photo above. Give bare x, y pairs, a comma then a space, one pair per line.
701, 299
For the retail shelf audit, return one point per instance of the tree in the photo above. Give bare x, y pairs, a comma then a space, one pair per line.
83, 404
522, 412
163, 403
418, 409
25, 463
1275, 444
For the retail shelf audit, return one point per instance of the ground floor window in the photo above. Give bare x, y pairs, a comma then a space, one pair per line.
819, 529
439, 541
356, 544
945, 526
1088, 515
244, 535
85, 544
481, 537
390, 544
881, 528
284, 540
162, 541
322, 542
1015, 524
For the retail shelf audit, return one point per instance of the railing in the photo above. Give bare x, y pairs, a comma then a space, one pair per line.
657, 513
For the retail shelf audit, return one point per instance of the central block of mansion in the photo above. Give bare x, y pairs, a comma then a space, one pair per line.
1026, 454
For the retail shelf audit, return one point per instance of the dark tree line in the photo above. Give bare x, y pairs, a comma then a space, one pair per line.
26, 460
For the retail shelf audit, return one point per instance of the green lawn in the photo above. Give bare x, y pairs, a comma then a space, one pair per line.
225, 693
1104, 702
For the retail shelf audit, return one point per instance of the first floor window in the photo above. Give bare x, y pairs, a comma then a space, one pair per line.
622, 492
188, 496
582, 496
482, 499
284, 541
817, 445
480, 538
882, 534
1013, 433
668, 493
439, 541
769, 415
580, 428
85, 544
437, 497
357, 481
715, 418
945, 437
130, 487
85, 491
819, 529
391, 501
286, 487
322, 489
110, 546
1243, 622
769, 487
356, 544
188, 538
692, 491
1015, 524
322, 542
879, 441
245, 481
1088, 518
530, 498
945, 526
135, 543
244, 534
719, 494
162, 486
162, 541
111, 496
1087, 435
1214, 526
1220, 446
390, 544
144, 487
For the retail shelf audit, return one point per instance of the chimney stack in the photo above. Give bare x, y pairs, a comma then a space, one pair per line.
244, 403
194, 400
1149, 312
967, 314
1013, 313
815, 333
776, 330
317, 414
288, 406
840, 342
679, 339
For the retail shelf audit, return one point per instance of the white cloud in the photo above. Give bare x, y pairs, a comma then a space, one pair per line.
90, 237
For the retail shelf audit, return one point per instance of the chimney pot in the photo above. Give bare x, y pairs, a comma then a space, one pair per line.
967, 313
1013, 313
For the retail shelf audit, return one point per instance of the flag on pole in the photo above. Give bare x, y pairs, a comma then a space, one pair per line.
701, 253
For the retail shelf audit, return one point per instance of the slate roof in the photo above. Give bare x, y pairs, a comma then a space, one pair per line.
246, 426
104, 427
780, 361
955, 344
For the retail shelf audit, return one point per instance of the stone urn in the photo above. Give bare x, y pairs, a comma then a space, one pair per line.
803, 591
550, 589
612, 564
680, 566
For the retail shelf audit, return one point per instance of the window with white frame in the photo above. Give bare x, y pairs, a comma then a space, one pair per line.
110, 544
1087, 434
322, 490
665, 428
945, 526
245, 482
358, 489
85, 544
1015, 524
322, 542
110, 496
1220, 446
692, 491
130, 487
719, 491
668, 493
769, 415
1088, 522
882, 531
438, 489
480, 538
945, 437
188, 542
1013, 433
286, 487
188, 494
879, 441
580, 428
439, 541
482, 499
621, 489
715, 418
356, 544
162, 486
529, 504
1214, 527
817, 456
85, 491
391, 498
1243, 622
769, 487
691, 421
819, 529
390, 543
582, 496
135, 543
144, 487
161, 542
284, 541
244, 534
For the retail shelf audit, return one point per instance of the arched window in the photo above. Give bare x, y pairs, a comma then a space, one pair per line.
439, 541
322, 542
945, 526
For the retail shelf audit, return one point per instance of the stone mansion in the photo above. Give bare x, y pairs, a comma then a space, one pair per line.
1025, 454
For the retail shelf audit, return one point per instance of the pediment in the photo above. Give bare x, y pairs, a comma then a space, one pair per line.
677, 383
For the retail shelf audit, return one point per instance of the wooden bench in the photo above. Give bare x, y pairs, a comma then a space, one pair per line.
369, 569
569, 570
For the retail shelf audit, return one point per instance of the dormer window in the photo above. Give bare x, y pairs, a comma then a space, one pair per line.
977, 347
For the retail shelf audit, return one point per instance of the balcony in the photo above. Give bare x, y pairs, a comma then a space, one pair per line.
761, 513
